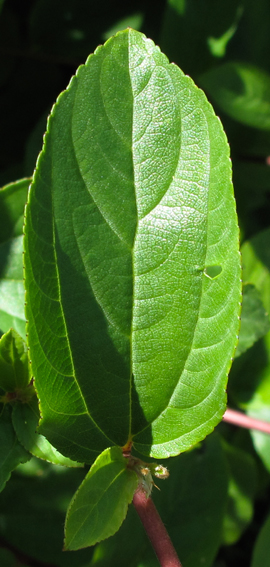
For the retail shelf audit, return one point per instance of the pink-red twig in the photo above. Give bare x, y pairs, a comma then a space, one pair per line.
243, 420
155, 530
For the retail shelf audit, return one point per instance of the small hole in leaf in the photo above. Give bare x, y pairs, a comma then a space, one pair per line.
212, 272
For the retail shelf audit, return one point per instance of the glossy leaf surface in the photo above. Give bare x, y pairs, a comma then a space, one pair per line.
131, 207
12, 201
242, 91
100, 505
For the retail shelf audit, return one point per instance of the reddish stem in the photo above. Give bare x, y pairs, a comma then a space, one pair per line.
243, 420
155, 530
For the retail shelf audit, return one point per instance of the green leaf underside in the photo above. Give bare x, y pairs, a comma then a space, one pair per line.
131, 201
100, 505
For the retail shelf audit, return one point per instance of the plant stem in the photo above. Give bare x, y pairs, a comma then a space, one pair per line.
243, 420
155, 530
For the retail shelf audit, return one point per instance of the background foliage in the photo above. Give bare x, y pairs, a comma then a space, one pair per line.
220, 515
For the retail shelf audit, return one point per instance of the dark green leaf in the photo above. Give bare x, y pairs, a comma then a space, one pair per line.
242, 91
126, 547
11, 451
195, 34
256, 264
192, 502
25, 418
261, 552
241, 493
100, 506
33, 513
131, 206
7, 558
254, 319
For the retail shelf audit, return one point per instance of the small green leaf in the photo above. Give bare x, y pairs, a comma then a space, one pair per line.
218, 45
242, 91
100, 505
12, 202
25, 418
195, 33
14, 365
11, 451
11, 286
134, 21
192, 503
254, 319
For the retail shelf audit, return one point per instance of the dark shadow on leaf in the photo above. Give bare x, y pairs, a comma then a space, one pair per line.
102, 371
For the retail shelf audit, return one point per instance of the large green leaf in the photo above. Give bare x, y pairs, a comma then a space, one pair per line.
242, 91
12, 201
132, 262
100, 505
